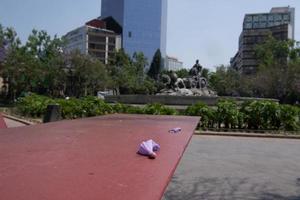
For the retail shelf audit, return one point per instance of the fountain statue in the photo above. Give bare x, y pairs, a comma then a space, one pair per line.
193, 85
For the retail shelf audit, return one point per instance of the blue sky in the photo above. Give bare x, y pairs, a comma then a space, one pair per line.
207, 30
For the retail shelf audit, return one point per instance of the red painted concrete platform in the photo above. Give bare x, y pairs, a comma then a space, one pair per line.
2, 122
91, 159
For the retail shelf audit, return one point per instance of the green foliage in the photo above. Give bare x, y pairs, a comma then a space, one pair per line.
228, 114
290, 118
121, 108
33, 105
128, 74
41, 66
87, 75
258, 115
278, 73
277, 76
206, 113
225, 81
134, 110
1, 35
205, 73
71, 108
182, 73
93, 106
275, 52
85, 107
158, 109
156, 66
34, 67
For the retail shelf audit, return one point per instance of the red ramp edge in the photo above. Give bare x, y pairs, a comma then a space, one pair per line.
2, 122
91, 159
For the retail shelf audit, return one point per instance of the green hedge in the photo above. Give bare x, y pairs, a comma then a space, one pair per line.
35, 106
256, 115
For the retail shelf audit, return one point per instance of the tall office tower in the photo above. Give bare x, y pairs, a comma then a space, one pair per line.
113, 8
280, 23
144, 24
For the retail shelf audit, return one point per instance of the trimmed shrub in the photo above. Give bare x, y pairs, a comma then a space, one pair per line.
71, 108
261, 114
206, 113
289, 118
228, 114
158, 109
93, 106
33, 105
134, 110
121, 108
258, 115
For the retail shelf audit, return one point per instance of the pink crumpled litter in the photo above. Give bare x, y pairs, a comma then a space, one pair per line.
148, 148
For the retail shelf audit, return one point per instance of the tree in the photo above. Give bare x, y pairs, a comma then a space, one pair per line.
118, 69
225, 81
205, 73
13, 64
275, 52
156, 66
2, 50
278, 72
128, 74
182, 73
49, 56
87, 75
139, 62
1, 34
37, 66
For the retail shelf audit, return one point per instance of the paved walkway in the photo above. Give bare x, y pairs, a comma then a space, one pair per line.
216, 167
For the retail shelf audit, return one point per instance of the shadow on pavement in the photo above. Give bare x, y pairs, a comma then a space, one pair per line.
224, 188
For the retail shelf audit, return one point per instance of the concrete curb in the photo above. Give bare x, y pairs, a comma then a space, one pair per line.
256, 135
17, 119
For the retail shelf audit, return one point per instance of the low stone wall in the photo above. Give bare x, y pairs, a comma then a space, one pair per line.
172, 100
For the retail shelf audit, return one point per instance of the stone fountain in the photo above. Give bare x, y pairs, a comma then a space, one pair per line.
193, 85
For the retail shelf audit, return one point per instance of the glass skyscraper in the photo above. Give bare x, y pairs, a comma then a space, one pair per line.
144, 24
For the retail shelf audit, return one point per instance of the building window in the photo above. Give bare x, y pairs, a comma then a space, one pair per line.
277, 23
101, 47
263, 25
92, 46
278, 17
271, 24
111, 48
255, 25
100, 55
248, 25
286, 17
248, 18
112, 40
249, 40
255, 18
262, 18
129, 34
94, 38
